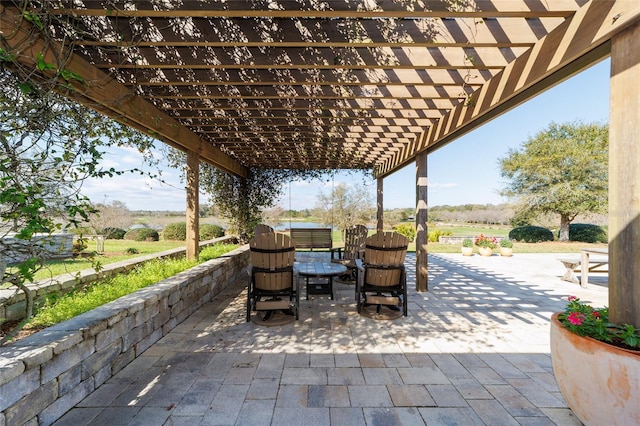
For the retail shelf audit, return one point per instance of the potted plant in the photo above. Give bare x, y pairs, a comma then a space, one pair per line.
486, 245
596, 364
467, 247
506, 247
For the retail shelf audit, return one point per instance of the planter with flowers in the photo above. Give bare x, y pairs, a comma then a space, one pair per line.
467, 247
486, 245
506, 247
596, 365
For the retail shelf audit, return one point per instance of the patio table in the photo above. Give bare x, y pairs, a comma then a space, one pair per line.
322, 270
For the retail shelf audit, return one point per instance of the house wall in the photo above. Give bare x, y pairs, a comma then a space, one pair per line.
49, 372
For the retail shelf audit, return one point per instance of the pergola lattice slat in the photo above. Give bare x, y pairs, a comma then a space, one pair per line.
377, 81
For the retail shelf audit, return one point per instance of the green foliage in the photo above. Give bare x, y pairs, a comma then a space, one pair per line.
142, 234
132, 250
584, 320
506, 243
243, 200
209, 231
562, 170
486, 242
467, 242
176, 231
530, 234
215, 251
587, 233
58, 309
79, 245
434, 236
113, 233
345, 206
406, 229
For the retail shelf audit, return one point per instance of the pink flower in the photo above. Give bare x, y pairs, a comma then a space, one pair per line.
595, 314
575, 318
572, 298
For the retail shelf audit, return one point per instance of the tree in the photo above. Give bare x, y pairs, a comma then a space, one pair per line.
111, 215
345, 206
242, 201
561, 170
49, 146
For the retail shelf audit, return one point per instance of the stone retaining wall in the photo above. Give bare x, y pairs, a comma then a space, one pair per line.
57, 246
13, 302
48, 373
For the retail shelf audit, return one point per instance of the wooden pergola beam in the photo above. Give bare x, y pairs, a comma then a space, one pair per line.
101, 92
315, 14
580, 41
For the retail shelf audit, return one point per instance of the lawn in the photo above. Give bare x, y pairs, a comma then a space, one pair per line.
114, 251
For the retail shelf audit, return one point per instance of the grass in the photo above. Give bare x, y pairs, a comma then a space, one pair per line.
544, 247
472, 231
62, 308
114, 251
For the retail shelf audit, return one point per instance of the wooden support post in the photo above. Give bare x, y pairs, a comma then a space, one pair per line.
624, 179
380, 206
422, 275
193, 219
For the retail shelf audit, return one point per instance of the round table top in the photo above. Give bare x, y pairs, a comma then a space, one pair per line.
320, 268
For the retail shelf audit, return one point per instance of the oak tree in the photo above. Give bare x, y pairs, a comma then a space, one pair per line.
560, 170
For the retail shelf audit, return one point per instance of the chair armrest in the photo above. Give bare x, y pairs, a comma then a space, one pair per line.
338, 250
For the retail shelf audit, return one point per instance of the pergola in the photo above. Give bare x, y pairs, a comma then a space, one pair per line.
339, 84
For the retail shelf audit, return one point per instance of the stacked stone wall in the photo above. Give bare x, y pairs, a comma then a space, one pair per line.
48, 373
13, 303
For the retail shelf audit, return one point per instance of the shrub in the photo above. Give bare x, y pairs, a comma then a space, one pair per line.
113, 233
467, 242
530, 234
132, 250
406, 229
176, 231
209, 231
587, 233
434, 236
142, 234
79, 245
506, 243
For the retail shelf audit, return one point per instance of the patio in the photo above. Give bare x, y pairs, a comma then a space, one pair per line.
473, 350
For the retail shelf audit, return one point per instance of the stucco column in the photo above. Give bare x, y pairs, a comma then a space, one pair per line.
624, 179
421, 223
193, 218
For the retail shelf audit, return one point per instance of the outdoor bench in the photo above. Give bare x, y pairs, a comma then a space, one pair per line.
584, 265
312, 238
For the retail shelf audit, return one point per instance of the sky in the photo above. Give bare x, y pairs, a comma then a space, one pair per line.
466, 171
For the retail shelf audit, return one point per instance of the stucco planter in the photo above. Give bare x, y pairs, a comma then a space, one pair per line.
506, 251
599, 382
485, 251
467, 251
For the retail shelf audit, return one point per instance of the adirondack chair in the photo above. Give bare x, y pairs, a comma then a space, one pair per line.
381, 277
354, 237
273, 285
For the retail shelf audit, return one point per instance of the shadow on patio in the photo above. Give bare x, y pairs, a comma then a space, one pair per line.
473, 350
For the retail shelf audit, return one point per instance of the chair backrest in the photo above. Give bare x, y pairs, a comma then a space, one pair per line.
354, 238
272, 255
384, 258
262, 229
